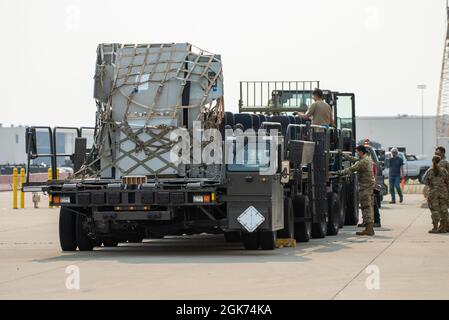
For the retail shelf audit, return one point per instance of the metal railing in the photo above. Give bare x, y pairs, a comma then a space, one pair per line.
53, 154
276, 96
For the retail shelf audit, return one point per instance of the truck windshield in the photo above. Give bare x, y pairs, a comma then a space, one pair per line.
345, 112
261, 157
297, 99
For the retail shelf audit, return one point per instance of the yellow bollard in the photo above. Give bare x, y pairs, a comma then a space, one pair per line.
22, 194
50, 177
15, 185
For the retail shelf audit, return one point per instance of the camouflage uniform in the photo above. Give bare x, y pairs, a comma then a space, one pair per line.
445, 164
438, 193
364, 167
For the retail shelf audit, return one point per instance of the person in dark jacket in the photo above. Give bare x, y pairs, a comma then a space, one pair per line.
396, 173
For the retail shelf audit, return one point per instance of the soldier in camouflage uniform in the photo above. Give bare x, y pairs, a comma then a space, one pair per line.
437, 178
441, 152
364, 167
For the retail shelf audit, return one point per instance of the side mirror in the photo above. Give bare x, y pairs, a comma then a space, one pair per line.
30, 143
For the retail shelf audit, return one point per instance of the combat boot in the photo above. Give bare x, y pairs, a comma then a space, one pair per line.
443, 226
369, 230
435, 228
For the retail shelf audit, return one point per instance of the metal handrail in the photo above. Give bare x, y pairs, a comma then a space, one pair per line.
269, 96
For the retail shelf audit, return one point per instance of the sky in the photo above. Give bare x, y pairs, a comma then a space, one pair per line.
378, 49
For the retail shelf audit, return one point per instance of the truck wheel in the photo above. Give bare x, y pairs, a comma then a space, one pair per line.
96, 242
289, 221
67, 225
342, 199
352, 204
135, 239
333, 225
319, 230
303, 230
250, 240
82, 239
233, 236
110, 242
267, 240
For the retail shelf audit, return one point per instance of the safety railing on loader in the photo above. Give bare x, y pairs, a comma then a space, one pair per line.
276, 96
48, 146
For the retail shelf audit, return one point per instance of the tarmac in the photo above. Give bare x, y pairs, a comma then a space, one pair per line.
402, 261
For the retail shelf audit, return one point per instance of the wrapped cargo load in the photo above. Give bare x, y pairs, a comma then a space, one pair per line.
143, 92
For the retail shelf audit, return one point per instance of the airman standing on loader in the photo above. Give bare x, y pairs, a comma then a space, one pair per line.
437, 178
364, 167
319, 112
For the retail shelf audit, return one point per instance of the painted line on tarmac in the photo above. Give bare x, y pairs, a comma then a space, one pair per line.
378, 255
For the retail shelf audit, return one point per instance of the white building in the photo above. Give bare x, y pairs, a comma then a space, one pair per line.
416, 133
12, 145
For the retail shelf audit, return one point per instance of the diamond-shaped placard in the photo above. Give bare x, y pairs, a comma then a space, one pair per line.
251, 219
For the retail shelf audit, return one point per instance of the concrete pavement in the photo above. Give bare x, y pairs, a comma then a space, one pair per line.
403, 261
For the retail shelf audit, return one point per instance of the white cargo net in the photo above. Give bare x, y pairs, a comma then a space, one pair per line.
143, 92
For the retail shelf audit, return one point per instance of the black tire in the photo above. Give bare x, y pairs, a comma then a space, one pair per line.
342, 199
83, 241
303, 230
267, 240
333, 224
135, 239
97, 242
289, 221
233, 236
319, 230
250, 240
67, 226
110, 242
156, 236
352, 204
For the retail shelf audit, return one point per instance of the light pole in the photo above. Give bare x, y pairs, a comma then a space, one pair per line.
422, 87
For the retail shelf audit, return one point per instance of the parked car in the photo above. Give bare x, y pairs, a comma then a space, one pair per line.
414, 168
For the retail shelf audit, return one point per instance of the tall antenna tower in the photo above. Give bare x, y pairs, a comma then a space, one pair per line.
442, 125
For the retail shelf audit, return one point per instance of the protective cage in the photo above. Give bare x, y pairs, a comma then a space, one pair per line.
143, 92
